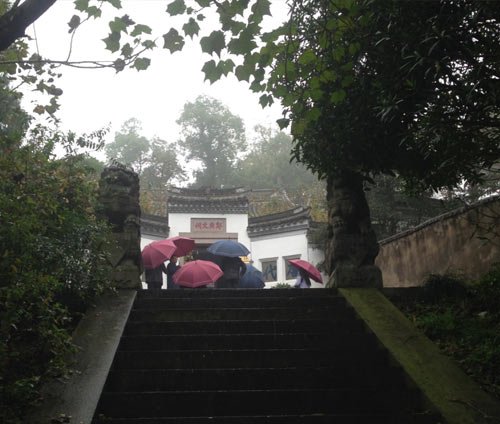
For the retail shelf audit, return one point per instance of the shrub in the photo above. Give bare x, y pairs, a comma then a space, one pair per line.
52, 264
463, 319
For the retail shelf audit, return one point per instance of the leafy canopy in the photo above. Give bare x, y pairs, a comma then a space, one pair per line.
211, 134
369, 86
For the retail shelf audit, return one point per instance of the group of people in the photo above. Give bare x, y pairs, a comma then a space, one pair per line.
154, 276
233, 269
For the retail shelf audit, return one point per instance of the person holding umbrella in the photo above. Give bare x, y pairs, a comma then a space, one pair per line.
306, 272
153, 257
233, 269
154, 277
231, 264
170, 271
302, 281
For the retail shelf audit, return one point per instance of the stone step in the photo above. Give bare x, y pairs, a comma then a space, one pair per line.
305, 377
242, 302
411, 418
235, 313
344, 340
256, 402
228, 293
335, 325
253, 356
248, 358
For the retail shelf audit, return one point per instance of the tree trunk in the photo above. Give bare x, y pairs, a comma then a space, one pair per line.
352, 244
13, 24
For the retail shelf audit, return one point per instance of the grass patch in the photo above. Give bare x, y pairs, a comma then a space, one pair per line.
463, 319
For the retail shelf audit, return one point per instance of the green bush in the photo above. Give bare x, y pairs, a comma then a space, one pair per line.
282, 286
52, 264
463, 319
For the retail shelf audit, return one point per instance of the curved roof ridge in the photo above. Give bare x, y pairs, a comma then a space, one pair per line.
289, 213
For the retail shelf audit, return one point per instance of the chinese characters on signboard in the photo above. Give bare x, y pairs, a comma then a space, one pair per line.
208, 225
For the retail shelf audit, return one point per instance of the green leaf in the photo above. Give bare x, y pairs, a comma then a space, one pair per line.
149, 44
93, 11
119, 65
298, 127
211, 71
142, 63
214, 43
173, 41
307, 57
243, 44
203, 3
127, 50
328, 76
338, 96
225, 66
115, 3
112, 42
260, 9
177, 7
243, 72
81, 5
266, 100
74, 23
347, 81
140, 29
314, 114
237, 27
283, 123
191, 28
338, 53
316, 94
118, 25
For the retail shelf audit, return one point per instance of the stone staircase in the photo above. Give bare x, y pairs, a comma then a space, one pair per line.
254, 356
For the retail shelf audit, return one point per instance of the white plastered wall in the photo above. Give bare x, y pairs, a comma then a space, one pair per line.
281, 247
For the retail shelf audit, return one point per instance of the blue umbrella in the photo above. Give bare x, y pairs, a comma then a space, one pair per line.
229, 248
252, 279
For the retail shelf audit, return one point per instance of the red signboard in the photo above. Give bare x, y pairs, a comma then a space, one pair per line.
208, 225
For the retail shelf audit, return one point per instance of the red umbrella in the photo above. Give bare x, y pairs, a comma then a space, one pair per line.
197, 273
309, 268
157, 252
184, 245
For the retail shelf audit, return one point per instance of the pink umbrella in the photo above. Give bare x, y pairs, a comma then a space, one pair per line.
157, 252
184, 245
197, 273
309, 268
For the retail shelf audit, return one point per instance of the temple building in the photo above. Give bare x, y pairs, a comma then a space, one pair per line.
207, 215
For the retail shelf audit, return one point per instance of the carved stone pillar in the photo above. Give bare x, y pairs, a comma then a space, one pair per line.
119, 204
352, 244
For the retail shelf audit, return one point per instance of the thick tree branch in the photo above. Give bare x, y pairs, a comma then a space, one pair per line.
13, 24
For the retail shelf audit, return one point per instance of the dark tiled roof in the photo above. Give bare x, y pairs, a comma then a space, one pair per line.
207, 200
298, 218
154, 225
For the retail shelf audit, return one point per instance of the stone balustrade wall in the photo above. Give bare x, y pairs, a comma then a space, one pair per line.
465, 241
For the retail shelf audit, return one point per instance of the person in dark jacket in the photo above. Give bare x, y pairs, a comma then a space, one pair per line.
154, 277
171, 268
234, 269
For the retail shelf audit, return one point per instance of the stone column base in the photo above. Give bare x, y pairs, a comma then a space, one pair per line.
368, 276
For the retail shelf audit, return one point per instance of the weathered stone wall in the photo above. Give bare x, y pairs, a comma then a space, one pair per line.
119, 204
465, 241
